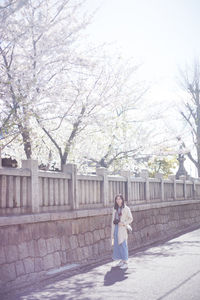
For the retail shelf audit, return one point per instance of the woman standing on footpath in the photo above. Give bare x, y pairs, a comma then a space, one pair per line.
121, 218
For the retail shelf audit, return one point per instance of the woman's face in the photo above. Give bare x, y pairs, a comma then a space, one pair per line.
119, 201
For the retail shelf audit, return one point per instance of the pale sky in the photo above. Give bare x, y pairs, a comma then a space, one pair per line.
163, 35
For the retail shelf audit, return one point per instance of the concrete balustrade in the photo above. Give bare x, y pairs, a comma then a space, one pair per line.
32, 245
0, 159
29, 190
49, 220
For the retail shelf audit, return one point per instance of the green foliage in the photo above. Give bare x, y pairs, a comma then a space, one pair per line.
166, 166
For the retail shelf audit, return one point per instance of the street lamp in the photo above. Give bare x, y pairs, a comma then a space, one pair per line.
181, 170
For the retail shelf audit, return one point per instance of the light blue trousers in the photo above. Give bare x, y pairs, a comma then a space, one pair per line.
119, 251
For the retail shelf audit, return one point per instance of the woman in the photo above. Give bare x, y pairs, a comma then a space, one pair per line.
121, 218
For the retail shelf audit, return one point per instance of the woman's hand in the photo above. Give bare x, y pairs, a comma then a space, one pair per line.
121, 224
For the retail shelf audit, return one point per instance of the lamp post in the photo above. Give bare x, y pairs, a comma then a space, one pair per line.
181, 170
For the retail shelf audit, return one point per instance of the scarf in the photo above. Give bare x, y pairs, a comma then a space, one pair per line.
118, 213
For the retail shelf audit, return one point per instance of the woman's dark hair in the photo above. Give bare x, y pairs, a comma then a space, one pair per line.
116, 205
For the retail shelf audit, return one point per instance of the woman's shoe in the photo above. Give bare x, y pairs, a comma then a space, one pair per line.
124, 266
120, 264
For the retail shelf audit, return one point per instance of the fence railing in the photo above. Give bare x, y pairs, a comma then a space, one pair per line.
29, 190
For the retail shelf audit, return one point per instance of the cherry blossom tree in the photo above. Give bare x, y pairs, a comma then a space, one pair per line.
37, 50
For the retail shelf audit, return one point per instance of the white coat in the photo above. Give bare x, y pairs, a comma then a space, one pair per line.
126, 219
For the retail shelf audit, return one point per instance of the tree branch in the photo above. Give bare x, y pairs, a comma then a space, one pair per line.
51, 138
190, 156
188, 120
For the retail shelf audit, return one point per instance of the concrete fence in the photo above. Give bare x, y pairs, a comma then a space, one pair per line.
50, 221
29, 190
38, 246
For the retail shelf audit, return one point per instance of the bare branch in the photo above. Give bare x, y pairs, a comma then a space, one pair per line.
189, 122
67, 112
8, 4
122, 154
190, 156
51, 137
59, 11
74, 131
15, 136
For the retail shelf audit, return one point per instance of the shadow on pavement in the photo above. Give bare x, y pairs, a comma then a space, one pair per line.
114, 275
167, 249
61, 290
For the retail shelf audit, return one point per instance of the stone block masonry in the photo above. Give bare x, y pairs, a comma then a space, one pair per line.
32, 245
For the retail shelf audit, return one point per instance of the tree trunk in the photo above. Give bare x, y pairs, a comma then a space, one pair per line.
26, 140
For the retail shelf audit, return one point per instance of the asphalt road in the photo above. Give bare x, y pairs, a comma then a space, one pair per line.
170, 271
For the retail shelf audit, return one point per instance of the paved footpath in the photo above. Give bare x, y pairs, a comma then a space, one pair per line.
169, 271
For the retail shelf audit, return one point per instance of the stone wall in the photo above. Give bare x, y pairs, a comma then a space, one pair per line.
31, 245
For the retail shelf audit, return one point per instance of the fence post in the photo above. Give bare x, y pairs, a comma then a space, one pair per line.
127, 174
145, 174
162, 194
0, 158
173, 178
73, 186
104, 184
183, 177
194, 189
32, 165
